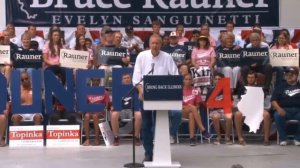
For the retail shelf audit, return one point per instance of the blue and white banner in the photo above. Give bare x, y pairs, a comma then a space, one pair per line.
141, 13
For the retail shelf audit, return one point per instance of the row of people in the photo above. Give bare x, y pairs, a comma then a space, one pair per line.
284, 101
203, 54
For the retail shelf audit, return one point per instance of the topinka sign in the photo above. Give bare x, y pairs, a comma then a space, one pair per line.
141, 13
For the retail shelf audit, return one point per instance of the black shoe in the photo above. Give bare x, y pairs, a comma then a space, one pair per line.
116, 141
193, 141
148, 158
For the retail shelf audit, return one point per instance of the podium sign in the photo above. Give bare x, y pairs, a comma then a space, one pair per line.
166, 90
63, 136
26, 136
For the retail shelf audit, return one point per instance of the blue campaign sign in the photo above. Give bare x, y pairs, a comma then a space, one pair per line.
121, 90
141, 13
163, 87
36, 106
83, 90
54, 86
3, 93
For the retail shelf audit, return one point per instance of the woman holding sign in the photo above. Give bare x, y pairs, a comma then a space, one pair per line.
203, 60
81, 46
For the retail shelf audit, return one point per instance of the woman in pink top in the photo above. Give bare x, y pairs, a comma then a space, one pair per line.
283, 42
203, 54
52, 48
81, 46
190, 105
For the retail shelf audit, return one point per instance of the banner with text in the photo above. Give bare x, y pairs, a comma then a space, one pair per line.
26, 136
179, 55
230, 58
28, 59
251, 56
111, 55
63, 136
119, 13
4, 54
74, 58
283, 57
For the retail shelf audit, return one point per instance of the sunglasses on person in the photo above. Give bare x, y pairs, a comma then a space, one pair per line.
24, 79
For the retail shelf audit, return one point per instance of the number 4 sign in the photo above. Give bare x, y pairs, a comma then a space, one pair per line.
222, 87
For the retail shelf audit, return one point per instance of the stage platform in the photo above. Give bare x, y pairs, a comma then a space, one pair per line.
201, 156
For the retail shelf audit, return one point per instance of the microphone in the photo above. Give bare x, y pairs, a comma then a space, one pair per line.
152, 68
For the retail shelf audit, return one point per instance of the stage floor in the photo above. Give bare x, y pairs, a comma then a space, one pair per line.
201, 156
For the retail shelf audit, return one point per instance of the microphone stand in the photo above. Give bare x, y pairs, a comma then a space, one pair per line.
124, 99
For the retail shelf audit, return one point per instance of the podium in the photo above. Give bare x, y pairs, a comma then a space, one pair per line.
162, 93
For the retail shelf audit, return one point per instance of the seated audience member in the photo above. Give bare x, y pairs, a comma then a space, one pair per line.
175, 47
205, 31
80, 31
203, 54
7, 67
94, 99
165, 40
133, 43
184, 69
26, 99
89, 43
156, 26
282, 42
34, 37
238, 116
3, 122
26, 46
112, 40
10, 28
217, 114
190, 105
59, 112
80, 45
195, 35
115, 116
256, 28
180, 32
230, 28
117, 42
52, 49
231, 72
265, 67
285, 100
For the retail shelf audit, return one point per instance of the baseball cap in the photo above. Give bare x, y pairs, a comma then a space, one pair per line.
128, 29
293, 70
173, 34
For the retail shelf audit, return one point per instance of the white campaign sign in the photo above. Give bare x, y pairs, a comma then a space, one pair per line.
107, 134
4, 54
284, 57
252, 106
74, 58
63, 136
26, 136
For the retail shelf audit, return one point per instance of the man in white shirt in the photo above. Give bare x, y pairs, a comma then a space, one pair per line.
10, 28
163, 65
34, 37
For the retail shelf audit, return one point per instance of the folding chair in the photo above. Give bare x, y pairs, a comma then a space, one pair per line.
209, 124
197, 131
289, 122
